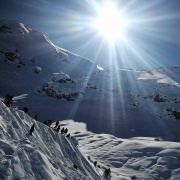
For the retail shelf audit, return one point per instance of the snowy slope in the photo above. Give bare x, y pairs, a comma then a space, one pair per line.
57, 84
49, 155
135, 158
44, 155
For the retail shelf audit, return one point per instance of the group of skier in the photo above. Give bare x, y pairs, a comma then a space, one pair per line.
107, 171
8, 100
56, 128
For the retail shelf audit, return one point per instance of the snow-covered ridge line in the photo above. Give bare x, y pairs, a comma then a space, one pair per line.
115, 100
44, 155
66, 51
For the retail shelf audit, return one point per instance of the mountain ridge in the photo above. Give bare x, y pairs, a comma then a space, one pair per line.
114, 101
50, 155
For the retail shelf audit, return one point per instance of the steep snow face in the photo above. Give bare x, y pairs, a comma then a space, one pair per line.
50, 155
44, 155
136, 158
23, 51
59, 84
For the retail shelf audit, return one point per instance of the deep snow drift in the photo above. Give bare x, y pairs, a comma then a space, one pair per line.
48, 155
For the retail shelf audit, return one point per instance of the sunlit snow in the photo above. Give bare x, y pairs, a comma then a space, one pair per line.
125, 119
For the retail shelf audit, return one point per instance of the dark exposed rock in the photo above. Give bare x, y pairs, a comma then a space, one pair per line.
5, 29
172, 112
13, 57
159, 98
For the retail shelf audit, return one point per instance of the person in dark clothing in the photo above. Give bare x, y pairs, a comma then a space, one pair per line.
26, 110
58, 128
49, 123
107, 172
62, 130
75, 166
57, 123
68, 136
95, 163
65, 131
32, 129
8, 100
35, 117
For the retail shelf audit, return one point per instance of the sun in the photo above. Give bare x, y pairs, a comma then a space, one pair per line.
110, 22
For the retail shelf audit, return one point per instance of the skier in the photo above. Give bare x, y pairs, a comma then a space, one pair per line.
58, 128
62, 130
107, 172
65, 131
68, 135
49, 123
26, 110
32, 129
35, 117
56, 124
95, 163
6, 99
75, 166
10, 100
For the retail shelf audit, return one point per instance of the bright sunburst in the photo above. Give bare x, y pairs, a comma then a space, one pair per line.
110, 22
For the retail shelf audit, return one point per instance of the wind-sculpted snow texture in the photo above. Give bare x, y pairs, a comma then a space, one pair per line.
61, 85
142, 158
46, 155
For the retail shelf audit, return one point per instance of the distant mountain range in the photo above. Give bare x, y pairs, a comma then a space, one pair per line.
58, 84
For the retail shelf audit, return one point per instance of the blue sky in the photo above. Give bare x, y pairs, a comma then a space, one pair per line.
152, 38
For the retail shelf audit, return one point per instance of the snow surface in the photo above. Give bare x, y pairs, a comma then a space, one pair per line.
159, 77
44, 155
49, 155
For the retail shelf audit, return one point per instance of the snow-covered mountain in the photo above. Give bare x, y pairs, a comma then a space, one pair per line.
49, 155
57, 84
44, 155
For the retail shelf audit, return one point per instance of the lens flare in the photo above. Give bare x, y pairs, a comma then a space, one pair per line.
110, 22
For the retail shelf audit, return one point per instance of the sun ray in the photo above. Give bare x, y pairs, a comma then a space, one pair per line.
110, 22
